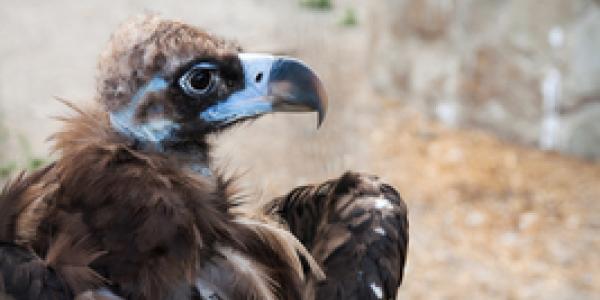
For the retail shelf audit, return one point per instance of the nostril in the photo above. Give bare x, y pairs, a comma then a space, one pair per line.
259, 77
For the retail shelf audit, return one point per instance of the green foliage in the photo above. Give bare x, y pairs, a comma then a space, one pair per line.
349, 19
30, 162
7, 169
317, 4
35, 162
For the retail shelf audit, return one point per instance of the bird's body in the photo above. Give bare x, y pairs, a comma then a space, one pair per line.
132, 209
150, 224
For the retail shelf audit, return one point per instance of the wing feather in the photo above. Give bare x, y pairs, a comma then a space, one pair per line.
356, 228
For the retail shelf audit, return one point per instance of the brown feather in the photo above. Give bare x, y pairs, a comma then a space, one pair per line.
71, 257
356, 228
14, 199
156, 220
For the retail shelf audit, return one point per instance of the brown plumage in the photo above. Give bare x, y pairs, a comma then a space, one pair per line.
356, 228
131, 207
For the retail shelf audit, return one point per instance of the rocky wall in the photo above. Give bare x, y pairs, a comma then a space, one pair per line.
526, 70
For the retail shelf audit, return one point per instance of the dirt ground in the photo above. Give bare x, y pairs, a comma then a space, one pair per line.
489, 220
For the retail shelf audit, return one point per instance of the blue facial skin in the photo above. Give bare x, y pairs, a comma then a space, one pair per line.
250, 101
154, 131
236, 107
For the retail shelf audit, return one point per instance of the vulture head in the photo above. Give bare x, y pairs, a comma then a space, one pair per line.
165, 82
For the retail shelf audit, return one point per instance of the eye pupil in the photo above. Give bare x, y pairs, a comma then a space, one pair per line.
200, 80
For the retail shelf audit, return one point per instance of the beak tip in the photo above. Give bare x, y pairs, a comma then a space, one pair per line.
321, 103
320, 117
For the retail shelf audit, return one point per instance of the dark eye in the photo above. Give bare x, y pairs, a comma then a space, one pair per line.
199, 80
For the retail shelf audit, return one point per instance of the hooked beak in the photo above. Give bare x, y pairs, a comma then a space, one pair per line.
272, 84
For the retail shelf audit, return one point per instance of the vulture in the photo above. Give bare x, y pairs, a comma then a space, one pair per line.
133, 207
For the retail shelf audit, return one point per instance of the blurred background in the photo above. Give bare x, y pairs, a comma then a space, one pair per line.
485, 114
